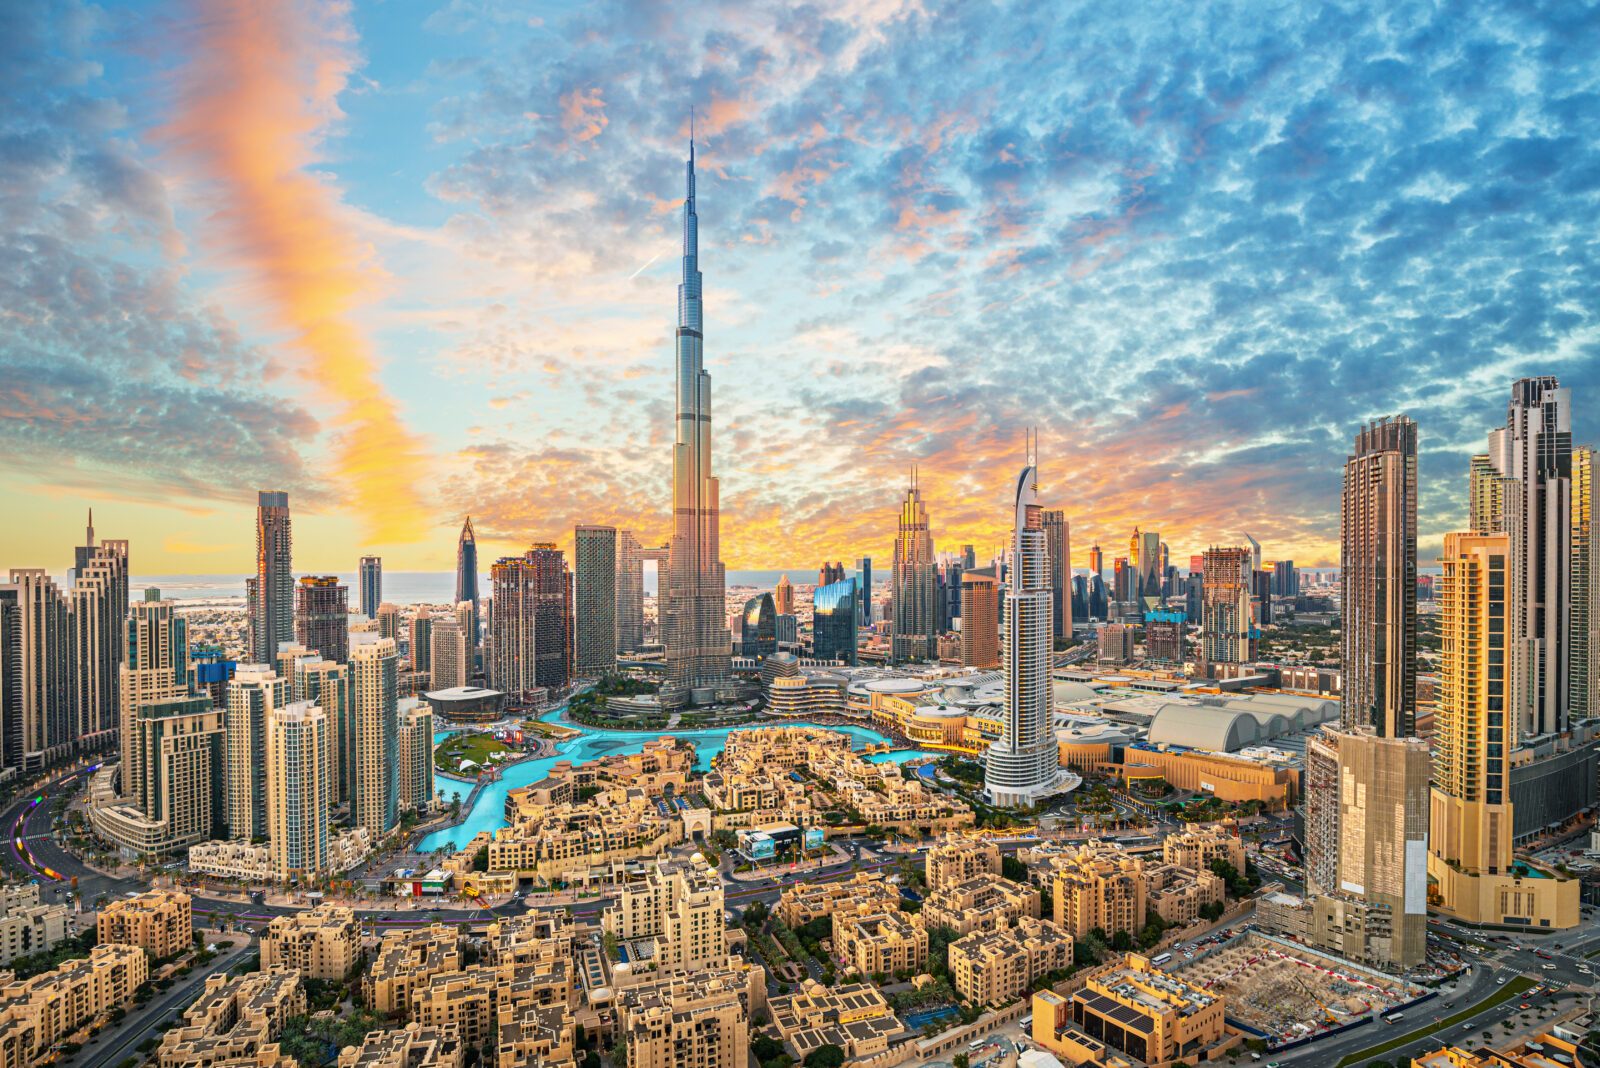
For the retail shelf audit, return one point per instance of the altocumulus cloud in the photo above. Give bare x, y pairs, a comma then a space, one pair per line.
1197, 246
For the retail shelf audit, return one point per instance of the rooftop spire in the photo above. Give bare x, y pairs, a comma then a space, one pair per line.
89, 537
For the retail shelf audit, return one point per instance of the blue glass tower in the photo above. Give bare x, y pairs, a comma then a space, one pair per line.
834, 621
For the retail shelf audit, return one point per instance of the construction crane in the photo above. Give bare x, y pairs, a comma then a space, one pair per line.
1333, 1021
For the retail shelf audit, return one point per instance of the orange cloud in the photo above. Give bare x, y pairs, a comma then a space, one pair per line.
255, 99
583, 114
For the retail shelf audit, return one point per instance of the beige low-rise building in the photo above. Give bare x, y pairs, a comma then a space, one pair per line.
686, 1020
37, 1013
320, 943
530, 1034
26, 924
1198, 846
236, 1021
406, 961
983, 903
160, 922
1135, 1009
411, 1046
677, 906
801, 903
957, 858
855, 1017
879, 941
1177, 894
1100, 885
995, 967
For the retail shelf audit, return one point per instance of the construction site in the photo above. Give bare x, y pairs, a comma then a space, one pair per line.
1287, 992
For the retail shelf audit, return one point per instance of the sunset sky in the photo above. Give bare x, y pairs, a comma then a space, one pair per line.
413, 260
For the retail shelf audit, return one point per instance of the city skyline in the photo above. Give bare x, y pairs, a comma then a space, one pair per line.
443, 273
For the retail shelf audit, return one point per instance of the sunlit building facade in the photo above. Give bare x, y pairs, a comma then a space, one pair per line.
834, 613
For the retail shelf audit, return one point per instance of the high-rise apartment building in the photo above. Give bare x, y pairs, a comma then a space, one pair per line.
1585, 673
467, 582
326, 684
389, 622
298, 791
322, 616
374, 713
46, 642
1022, 765
630, 593
1058, 543
531, 623
1532, 454
833, 621
694, 636
1227, 624
1485, 500
1378, 580
980, 619
594, 551
1166, 636
370, 583
1473, 873
181, 744
272, 614
912, 635
447, 659
97, 619
11, 748
783, 596
254, 694
864, 589
421, 648
679, 906
416, 756
156, 668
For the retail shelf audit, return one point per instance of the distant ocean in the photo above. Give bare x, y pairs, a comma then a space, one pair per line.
399, 587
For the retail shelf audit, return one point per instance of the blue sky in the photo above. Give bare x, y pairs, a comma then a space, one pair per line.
413, 260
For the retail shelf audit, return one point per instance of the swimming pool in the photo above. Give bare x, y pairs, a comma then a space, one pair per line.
489, 811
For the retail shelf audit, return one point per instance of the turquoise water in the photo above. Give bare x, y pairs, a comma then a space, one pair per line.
489, 812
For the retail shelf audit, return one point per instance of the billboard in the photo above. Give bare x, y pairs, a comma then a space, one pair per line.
813, 837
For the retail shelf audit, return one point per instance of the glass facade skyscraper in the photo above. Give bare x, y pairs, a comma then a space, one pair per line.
835, 615
466, 582
760, 627
370, 583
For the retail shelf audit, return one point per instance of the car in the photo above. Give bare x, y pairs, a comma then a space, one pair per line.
1500, 981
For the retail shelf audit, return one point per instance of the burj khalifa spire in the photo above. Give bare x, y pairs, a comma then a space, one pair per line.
694, 628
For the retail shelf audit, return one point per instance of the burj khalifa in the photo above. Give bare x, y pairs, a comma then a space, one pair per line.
694, 627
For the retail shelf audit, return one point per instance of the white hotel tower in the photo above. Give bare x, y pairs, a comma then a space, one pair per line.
1023, 766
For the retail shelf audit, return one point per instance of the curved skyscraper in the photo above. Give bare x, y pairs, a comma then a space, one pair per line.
467, 579
694, 628
1024, 766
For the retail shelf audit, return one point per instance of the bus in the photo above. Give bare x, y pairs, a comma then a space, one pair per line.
1394, 1017
1162, 959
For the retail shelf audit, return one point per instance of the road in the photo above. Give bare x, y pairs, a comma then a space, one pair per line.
121, 1041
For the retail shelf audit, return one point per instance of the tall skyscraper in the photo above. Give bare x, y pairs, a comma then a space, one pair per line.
46, 641
420, 646
1378, 580
630, 593
467, 581
1585, 687
298, 794
864, 589
594, 551
370, 581
1532, 454
1058, 542
980, 619
156, 669
912, 635
695, 636
254, 694
272, 620
416, 756
531, 624
389, 622
1227, 625
98, 613
326, 684
1144, 556
1097, 563
448, 659
834, 620
375, 708
783, 596
1470, 862
1485, 501
760, 631
322, 616
1023, 764
11, 748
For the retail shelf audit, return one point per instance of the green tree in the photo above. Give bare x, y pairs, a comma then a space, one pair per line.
755, 914
1122, 941
825, 1057
961, 1060
1013, 869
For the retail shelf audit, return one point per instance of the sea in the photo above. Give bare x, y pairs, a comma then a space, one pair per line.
399, 587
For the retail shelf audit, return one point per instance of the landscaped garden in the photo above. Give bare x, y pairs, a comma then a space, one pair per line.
467, 754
